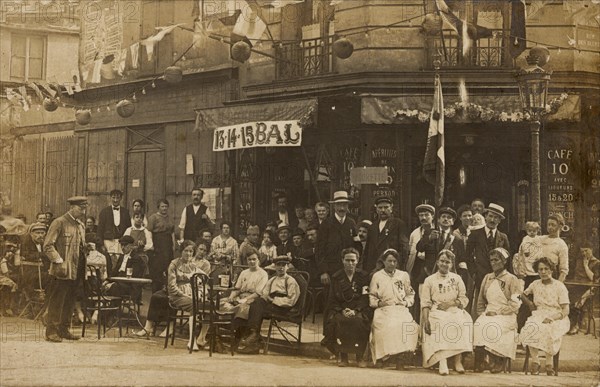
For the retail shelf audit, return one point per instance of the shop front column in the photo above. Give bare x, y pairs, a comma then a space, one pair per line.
536, 211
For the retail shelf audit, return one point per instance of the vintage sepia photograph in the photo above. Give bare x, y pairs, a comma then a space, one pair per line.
299, 193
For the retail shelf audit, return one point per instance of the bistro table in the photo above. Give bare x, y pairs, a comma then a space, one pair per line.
590, 304
128, 302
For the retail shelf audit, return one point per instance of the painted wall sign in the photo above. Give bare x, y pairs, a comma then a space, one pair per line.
257, 134
561, 193
369, 175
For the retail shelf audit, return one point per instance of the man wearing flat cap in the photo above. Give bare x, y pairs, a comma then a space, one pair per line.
387, 232
280, 294
416, 259
32, 250
113, 220
133, 258
480, 243
335, 234
65, 248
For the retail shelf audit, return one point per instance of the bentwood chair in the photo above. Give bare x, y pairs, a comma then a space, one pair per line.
95, 301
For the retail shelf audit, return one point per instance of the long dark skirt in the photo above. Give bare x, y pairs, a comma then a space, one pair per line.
163, 254
350, 335
158, 310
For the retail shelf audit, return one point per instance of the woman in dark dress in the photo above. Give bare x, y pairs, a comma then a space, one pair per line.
349, 315
162, 228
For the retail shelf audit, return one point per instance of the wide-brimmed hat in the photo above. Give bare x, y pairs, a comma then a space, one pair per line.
496, 209
340, 197
425, 208
282, 258
447, 210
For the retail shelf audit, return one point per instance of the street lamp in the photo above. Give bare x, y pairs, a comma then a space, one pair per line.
533, 88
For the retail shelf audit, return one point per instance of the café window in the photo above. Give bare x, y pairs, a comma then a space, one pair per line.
28, 54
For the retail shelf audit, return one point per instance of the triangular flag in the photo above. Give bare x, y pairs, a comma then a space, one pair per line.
12, 97
96, 76
135, 54
151, 41
200, 33
434, 163
69, 89
37, 90
47, 87
24, 98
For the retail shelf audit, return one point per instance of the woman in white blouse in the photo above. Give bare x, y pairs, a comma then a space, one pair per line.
393, 330
224, 247
447, 326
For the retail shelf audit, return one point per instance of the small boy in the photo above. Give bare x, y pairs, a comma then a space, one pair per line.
529, 251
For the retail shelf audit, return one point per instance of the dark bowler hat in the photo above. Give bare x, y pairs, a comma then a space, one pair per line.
282, 258
126, 240
383, 199
77, 200
298, 231
447, 210
425, 208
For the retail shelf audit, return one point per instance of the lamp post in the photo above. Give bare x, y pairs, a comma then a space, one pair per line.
533, 87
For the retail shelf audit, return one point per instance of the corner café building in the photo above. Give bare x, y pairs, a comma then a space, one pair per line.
309, 147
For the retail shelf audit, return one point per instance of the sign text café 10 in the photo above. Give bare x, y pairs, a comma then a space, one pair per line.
257, 134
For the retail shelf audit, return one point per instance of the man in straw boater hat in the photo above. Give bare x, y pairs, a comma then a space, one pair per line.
479, 244
335, 234
279, 295
65, 247
387, 232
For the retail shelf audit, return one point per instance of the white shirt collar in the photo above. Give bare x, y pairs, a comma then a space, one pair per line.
341, 220
487, 231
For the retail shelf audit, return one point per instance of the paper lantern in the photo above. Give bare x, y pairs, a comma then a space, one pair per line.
125, 108
83, 117
173, 74
50, 104
343, 48
240, 51
432, 24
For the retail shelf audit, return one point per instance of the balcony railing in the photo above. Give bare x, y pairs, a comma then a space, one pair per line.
304, 58
491, 52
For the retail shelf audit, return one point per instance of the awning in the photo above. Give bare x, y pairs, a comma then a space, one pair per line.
385, 110
304, 110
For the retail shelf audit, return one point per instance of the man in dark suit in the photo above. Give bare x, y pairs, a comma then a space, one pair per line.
132, 263
387, 233
112, 223
335, 234
285, 244
283, 215
32, 250
480, 243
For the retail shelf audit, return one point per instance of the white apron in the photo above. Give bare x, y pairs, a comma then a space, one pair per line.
451, 334
393, 331
498, 334
546, 337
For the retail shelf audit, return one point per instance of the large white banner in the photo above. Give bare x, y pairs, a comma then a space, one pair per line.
257, 134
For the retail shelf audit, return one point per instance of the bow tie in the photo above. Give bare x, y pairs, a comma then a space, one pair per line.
116, 208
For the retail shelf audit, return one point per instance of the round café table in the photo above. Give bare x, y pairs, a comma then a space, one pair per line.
128, 301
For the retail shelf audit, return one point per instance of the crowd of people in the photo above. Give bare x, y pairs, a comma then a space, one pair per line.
450, 286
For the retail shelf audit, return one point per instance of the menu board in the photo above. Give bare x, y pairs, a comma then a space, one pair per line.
561, 192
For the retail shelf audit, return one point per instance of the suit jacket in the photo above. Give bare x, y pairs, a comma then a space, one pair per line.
393, 236
477, 253
285, 249
106, 223
65, 240
432, 248
332, 238
293, 220
136, 261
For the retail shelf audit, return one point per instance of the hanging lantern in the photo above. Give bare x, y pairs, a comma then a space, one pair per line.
343, 48
173, 74
240, 51
125, 108
83, 117
50, 104
432, 24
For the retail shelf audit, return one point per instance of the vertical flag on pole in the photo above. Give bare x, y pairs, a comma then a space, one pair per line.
434, 163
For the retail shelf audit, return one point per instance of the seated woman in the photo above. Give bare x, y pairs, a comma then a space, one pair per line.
348, 317
496, 328
587, 269
248, 288
447, 326
394, 330
549, 319
179, 292
268, 250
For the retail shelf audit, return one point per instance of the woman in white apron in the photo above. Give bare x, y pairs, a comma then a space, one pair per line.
495, 331
549, 322
393, 330
446, 325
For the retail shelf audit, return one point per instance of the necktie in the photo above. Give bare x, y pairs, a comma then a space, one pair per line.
444, 239
490, 240
115, 208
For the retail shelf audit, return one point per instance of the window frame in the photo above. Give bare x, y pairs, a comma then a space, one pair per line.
28, 37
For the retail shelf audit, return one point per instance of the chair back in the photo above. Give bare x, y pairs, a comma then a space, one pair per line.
92, 285
303, 279
200, 293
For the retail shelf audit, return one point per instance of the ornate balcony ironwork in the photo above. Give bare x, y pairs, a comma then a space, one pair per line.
304, 58
491, 52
